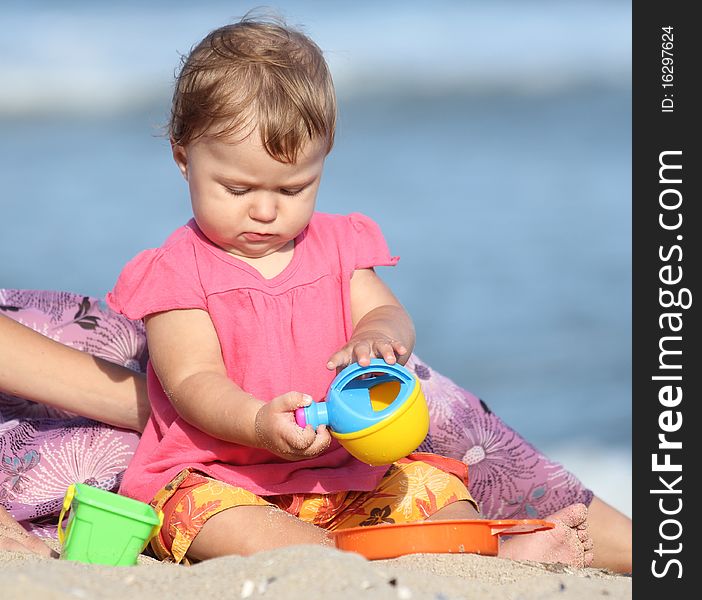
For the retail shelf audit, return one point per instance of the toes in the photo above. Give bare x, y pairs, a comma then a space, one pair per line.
572, 516
588, 544
588, 557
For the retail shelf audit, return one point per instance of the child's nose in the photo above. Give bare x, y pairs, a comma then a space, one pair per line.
264, 207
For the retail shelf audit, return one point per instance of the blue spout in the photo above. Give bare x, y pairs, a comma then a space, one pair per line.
316, 414
348, 404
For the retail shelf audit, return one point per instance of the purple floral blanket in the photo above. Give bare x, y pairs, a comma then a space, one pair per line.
44, 450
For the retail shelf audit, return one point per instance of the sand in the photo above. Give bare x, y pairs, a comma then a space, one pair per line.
307, 573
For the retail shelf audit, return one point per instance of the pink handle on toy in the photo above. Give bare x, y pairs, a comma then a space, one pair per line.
300, 417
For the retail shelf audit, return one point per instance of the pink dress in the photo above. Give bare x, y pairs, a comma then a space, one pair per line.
44, 450
276, 336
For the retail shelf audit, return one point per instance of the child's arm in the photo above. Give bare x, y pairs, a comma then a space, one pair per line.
382, 327
38, 368
186, 355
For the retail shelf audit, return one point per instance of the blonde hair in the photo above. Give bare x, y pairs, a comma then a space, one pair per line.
255, 73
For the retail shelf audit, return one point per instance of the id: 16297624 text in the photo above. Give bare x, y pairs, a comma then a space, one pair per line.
667, 75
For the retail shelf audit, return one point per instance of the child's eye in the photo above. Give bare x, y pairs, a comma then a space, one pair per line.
237, 191
294, 192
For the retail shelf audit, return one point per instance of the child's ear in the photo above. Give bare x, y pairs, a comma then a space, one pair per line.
181, 158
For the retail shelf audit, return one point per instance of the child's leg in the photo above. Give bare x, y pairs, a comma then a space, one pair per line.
457, 510
205, 518
245, 530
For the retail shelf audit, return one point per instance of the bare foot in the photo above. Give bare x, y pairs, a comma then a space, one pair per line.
568, 542
15, 538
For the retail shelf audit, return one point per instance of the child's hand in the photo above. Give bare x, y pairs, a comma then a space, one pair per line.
368, 345
277, 431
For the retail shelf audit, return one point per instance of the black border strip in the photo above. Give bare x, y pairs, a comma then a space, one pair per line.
666, 129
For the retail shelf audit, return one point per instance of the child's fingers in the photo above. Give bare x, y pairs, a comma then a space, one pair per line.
363, 353
301, 439
399, 347
339, 359
387, 351
290, 401
321, 442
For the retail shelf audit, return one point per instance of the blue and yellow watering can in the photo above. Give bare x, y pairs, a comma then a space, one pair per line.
378, 413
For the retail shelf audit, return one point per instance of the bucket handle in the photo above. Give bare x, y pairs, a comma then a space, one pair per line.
519, 526
67, 499
154, 531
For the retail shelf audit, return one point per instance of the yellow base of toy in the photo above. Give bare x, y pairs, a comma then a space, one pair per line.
396, 436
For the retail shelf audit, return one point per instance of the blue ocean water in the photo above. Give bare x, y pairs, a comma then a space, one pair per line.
491, 141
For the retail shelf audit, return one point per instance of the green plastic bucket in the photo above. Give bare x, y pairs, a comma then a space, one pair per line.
105, 528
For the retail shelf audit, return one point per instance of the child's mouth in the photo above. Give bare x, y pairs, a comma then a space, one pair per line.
258, 237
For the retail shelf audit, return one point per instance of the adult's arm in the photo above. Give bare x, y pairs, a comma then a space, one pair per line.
40, 369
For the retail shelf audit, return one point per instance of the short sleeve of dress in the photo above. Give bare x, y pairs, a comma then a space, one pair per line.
368, 242
156, 280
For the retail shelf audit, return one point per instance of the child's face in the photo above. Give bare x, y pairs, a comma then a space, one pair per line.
245, 201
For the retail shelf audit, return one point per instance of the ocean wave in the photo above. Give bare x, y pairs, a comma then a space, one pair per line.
81, 60
97, 95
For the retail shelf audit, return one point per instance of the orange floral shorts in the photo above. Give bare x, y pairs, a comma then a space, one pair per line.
412, 489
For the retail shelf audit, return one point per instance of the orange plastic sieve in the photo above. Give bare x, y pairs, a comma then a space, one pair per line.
476, 536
